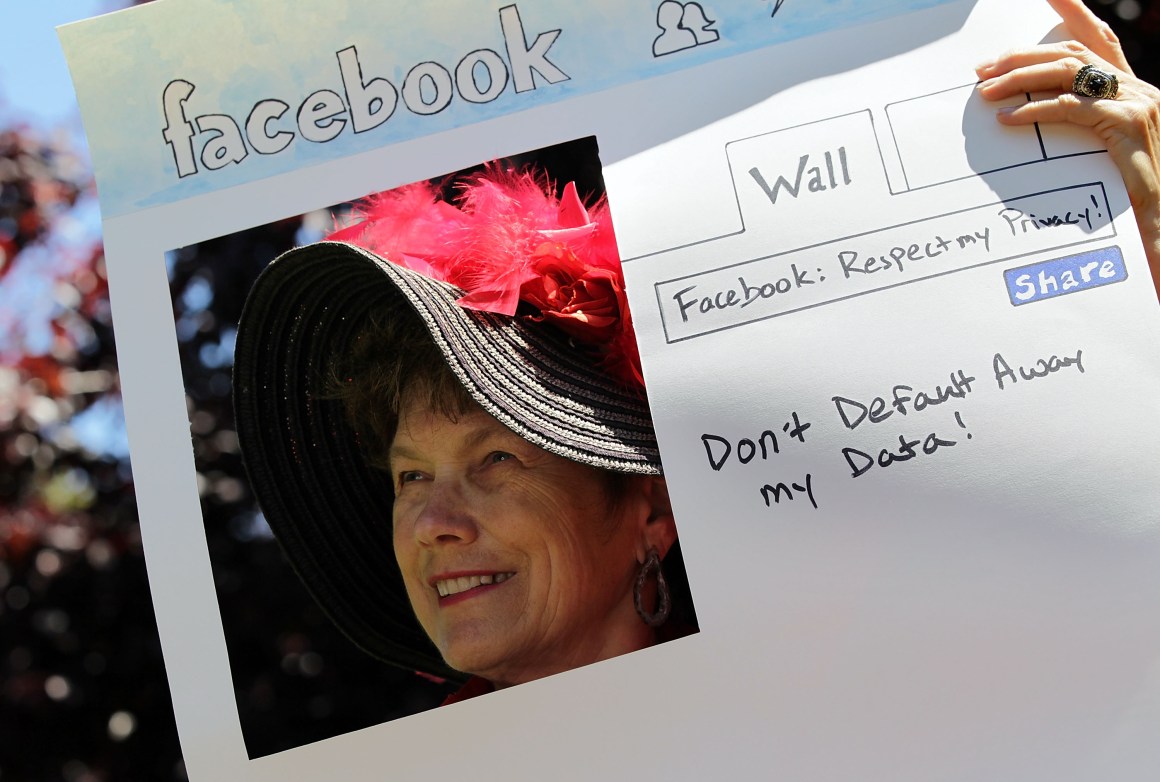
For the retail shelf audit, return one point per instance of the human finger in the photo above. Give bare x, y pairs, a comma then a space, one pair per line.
1129, 126
1036, 55
1090, 30
1065, 107
1053, 76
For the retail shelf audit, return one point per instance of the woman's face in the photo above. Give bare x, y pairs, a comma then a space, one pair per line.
515, 560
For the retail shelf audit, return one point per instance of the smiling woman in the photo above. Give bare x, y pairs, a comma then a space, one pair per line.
452, 387
518, 563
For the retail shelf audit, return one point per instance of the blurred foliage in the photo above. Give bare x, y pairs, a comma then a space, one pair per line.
81, 677
83, 696
1137, 23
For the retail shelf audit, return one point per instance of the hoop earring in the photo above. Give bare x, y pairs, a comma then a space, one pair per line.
664, 602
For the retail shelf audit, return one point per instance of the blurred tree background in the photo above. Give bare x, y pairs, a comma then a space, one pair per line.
83, 696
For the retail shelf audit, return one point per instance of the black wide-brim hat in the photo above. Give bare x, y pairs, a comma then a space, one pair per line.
329, 510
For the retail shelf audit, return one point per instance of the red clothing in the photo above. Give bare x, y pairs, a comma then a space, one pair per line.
473, 687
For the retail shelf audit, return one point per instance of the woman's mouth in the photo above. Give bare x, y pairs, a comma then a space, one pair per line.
453, 586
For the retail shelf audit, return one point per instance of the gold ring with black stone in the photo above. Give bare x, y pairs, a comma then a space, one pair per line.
1091, 82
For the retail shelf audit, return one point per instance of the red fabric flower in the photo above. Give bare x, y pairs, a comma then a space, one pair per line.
584, 302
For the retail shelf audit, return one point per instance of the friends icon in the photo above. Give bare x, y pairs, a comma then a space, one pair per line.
683, 26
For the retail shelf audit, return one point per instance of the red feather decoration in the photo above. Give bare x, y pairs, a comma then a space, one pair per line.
508, 241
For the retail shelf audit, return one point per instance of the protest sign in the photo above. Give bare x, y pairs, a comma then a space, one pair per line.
900, 359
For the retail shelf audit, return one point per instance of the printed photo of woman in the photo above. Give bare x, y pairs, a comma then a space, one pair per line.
443, 417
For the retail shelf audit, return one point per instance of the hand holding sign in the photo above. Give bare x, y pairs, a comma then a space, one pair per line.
1128, 123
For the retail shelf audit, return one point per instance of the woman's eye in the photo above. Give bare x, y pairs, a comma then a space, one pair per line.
495, 457
410, 476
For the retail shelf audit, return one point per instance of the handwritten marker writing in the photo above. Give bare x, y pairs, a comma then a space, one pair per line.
743, 295
816, 184
772, 493
902, 398
1022, 222
718, 449
1041, 367
959, 419
852, 264
861, 462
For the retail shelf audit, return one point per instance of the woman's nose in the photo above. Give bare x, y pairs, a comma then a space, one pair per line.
446, 516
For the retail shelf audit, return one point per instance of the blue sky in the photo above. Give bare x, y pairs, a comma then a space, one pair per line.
35, 88
34, 81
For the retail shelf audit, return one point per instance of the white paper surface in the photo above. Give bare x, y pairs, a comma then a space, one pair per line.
982, 610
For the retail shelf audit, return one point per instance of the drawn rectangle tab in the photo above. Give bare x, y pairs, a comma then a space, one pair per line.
752, 289
1070, 274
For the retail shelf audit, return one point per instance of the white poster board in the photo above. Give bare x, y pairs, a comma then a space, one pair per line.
913, 480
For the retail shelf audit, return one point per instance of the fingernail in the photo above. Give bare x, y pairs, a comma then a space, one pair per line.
1004, 110
983, 67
